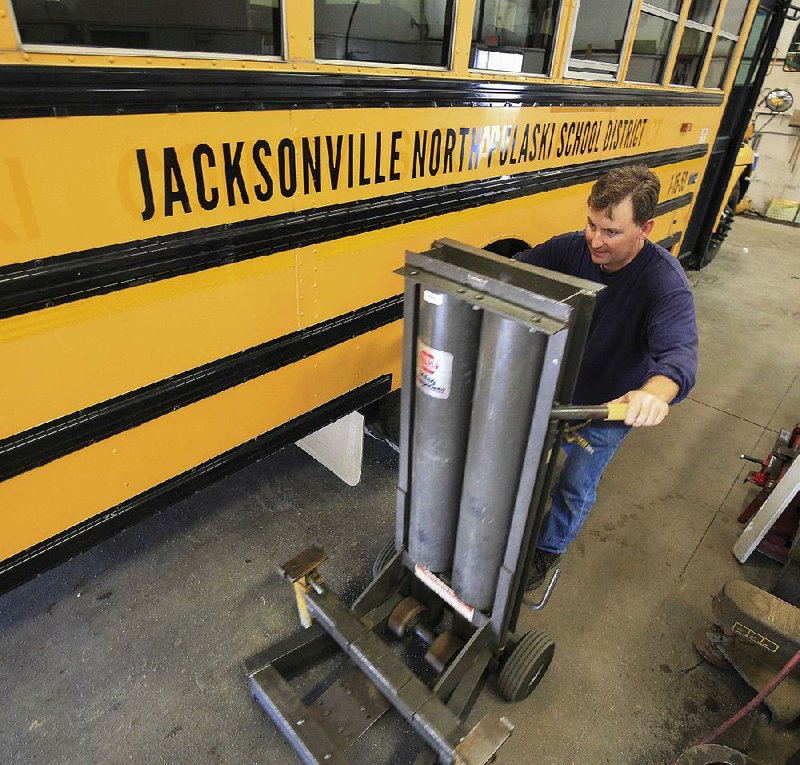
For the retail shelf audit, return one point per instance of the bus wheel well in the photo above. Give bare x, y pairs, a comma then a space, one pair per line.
744, 180
723, 227
508, 248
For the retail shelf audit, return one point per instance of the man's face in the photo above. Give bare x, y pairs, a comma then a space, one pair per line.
615, 241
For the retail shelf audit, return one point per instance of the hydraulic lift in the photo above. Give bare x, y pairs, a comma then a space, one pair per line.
490, 347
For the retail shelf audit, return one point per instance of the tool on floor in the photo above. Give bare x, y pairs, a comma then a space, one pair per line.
756, 632
758, 635
490, 345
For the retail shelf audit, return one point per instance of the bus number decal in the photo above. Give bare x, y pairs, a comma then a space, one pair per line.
678, 182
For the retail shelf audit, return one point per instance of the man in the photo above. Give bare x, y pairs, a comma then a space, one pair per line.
642, 343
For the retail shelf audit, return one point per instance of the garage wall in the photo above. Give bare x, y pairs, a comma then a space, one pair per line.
777, 142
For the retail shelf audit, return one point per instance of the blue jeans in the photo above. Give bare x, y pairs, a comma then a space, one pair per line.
576, 488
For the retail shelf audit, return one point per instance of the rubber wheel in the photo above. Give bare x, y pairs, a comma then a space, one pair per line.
384, 556
524, 668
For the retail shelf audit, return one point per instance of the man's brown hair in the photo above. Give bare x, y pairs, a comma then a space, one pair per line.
635, 181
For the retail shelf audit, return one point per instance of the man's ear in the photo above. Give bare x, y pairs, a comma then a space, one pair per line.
647, 228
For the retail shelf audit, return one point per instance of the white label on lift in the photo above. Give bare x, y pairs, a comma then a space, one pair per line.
443, 591
434, 371
703, 135
432, 297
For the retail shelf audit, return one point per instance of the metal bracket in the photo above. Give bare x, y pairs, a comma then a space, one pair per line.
483, 741
301, 571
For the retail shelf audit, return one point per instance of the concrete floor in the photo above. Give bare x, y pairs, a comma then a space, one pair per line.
131, 652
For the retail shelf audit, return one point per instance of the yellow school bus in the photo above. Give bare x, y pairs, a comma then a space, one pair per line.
202, 203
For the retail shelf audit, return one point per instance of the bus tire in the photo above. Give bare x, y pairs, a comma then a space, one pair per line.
725, 223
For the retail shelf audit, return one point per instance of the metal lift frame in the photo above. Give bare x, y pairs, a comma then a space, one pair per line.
558, 306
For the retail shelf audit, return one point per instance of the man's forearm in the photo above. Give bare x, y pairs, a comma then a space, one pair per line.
663, 387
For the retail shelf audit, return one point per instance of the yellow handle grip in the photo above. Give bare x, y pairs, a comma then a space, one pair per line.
617, 411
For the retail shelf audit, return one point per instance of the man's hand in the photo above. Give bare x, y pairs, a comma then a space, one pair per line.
644, 408
649, 405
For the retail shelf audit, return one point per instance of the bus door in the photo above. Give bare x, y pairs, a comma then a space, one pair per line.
702, 242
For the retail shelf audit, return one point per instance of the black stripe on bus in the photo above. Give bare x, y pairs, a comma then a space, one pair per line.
670, 240
61, 279
44, 443
47, 91
27, 564
670, 205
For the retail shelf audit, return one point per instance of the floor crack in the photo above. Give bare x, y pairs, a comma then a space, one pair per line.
730, 414
689, 669
744, 419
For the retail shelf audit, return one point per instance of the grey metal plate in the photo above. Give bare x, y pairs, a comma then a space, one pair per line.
537, 320
299, 724
349, 707
441, 727
303, 563
483, 741
534, 288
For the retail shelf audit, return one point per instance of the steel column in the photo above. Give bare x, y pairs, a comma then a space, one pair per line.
447, 350
509, 368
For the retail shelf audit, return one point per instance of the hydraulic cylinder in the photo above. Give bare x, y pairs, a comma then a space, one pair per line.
447, 348
508, 373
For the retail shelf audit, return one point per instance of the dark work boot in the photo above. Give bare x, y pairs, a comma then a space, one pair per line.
542, 563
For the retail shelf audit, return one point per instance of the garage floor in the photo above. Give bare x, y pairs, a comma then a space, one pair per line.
131, 652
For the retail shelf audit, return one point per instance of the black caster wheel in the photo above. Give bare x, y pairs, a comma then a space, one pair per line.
405, 616
526, 665
443, 650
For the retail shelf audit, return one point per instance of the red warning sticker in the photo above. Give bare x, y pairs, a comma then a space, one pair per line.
434, 371
443, 591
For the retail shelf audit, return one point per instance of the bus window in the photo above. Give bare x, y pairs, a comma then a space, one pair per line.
514, 37
654, 35
382, 31
727, 38
792, 61
703, 12
694, 43
598, 38
190, 26
723, 50
671, 6
748, 67
733, 17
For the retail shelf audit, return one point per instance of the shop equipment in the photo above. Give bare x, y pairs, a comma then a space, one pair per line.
758, 632
491, 347
778, 537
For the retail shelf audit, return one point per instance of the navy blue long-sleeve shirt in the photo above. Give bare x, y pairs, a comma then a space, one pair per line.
643, 322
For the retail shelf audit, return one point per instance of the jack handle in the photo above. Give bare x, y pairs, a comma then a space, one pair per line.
614, 412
